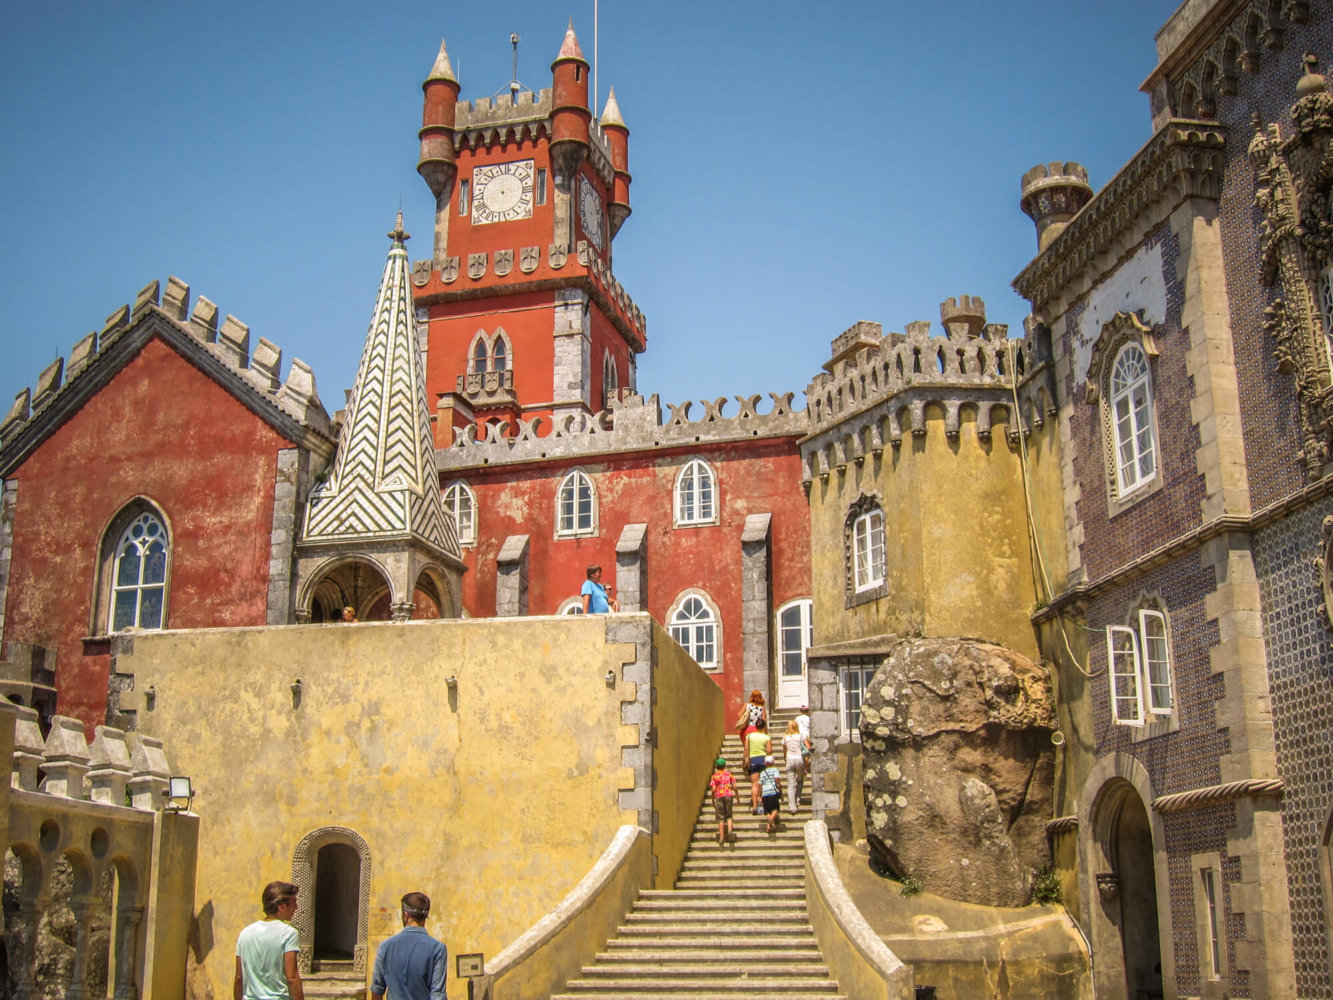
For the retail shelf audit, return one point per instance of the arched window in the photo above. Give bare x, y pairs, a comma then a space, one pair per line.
461, 502
696, 494
570, 606
499, 353
1130, 397
693, 622
481, 356
139, 574
576, 507
610, 381
868, 549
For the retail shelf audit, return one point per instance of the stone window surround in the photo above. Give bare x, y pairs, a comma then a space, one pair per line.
498, 339
863, 504
468, 538
1211, 985
610, 380
571, 480
100, 625
1119, 332
697, 522
846, 731
712, 607
571, 606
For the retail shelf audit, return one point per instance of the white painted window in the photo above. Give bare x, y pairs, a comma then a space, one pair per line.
693, 622
571, 606
461, 502
139, 581
853, 682
1131, 402
1326, 308
576, 506
868, 549
1139, 660
696, 494
795, 636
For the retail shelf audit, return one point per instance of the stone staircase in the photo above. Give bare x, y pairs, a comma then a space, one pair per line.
734, 926
334, 980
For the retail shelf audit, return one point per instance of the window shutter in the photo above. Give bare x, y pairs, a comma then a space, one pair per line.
1122, 648
1156, 662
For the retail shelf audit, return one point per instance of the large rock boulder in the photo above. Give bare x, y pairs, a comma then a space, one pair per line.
956, 737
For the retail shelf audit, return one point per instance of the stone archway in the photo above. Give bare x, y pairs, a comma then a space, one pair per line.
1119, 878
326, 925
357, 583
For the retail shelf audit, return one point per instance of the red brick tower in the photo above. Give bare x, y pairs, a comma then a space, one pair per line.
524, 317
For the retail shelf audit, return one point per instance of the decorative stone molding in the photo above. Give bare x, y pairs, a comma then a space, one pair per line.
487, 388
1324, 571
633, 423
304, 861
863, 504
1183, 160
1203, 798
1293, 184
1122, 327
1060, 825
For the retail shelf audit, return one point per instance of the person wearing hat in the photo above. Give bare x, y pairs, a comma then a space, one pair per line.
723, 787
411, 965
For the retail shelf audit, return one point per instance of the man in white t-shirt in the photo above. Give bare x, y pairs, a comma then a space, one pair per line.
803, 720
266, 950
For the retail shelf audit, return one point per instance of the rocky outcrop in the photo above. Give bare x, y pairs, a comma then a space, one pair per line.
956, 736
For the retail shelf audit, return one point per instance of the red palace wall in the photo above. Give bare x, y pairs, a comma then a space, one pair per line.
752, 477
163, 430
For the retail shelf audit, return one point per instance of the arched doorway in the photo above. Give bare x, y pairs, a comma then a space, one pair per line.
355, 583
337, 886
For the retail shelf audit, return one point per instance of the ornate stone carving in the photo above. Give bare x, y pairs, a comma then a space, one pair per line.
476, 265
556, 256
449, 270
420, 273
504, 262
304, 860
487, 388
1293, 184
528, 259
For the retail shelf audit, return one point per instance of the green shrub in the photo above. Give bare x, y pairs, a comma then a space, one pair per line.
1046, 886
909, 885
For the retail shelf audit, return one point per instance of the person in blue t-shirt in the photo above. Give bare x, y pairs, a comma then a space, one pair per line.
596, 598
411, 965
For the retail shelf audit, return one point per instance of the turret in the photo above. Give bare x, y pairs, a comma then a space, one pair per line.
1052, 195
437, 165
617, 138
570, 117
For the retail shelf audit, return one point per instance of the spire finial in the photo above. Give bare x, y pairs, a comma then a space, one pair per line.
397, 235
1311, 82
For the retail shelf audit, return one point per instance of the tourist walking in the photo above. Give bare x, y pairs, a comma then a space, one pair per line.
266, 950
752, 713
768, 783
723, 787
757, 747
795, 747
411, 965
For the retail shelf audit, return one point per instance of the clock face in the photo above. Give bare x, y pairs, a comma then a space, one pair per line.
502, 192
591, 214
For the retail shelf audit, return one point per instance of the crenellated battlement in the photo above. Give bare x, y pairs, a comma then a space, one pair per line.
227, 342
878, 387
487, 121
633, 423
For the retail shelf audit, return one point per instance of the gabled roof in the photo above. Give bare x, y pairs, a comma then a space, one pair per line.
292, 408
384, 483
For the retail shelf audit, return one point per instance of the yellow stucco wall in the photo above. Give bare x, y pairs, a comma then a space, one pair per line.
494, 798
957, 551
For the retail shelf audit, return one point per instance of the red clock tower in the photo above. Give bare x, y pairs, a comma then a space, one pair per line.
524, 317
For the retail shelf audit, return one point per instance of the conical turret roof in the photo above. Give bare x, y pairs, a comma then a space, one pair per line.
569, 49
611, 111
443, 69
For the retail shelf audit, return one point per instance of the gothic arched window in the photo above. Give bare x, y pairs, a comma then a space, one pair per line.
139, 574
610, 380
461, 502
1130, 398
576, 508
693, 622
696, 494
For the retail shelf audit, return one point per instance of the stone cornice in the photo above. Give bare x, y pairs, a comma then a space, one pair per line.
1183, 160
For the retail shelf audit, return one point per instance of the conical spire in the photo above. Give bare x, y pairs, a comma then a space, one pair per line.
442, 70
570, 47
384, 482
611, 112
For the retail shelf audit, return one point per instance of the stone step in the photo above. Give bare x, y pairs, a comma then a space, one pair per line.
739, 984
671, 993
674, 916
727, 894
718, 969
712, 904
639, 938
641, 953
709, 927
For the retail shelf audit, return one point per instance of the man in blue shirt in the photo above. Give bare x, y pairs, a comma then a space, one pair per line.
596, 599
411, 965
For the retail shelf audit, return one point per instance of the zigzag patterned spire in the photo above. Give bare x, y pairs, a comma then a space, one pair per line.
384, 480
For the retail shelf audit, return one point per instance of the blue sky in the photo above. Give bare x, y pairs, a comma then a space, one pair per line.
797, 166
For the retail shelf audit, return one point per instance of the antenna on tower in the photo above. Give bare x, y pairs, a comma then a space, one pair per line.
595, 24
514, 85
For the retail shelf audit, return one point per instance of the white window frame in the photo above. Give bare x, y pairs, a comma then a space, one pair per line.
693, 632
570, 519
453, 499
152, 530
1133, 436
868, 562
804, 628
571, 606
695, 495
1140, 669
1210, 921
849, 718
